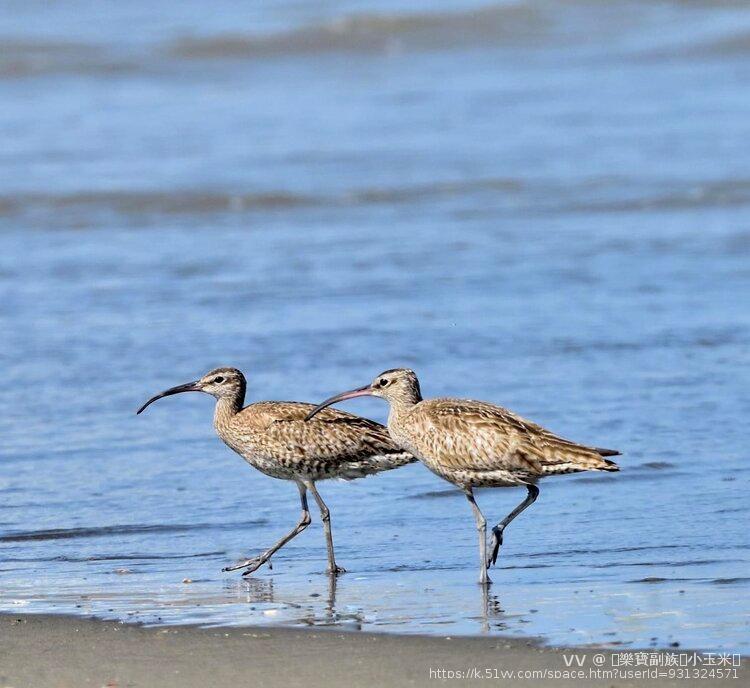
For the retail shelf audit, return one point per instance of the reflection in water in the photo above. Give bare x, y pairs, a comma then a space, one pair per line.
331, 601
492, 612
316, 610
257, 590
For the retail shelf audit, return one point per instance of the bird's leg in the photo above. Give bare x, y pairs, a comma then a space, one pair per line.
484, 579
325, 516
255, 563
497, 531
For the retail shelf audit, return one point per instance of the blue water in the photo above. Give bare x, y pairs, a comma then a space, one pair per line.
541, 204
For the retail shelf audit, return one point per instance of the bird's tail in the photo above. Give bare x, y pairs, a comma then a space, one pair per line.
577, 458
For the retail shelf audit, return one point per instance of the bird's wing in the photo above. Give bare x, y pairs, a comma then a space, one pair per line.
464, 434
558, 454
331, 436
482, 436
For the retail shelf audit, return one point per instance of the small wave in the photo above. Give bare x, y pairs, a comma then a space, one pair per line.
447, 188
732, 510
429, 566
634, 474
691, 562
113, 557
657, 465
730, 581
492, 25
515, 23
723, 193
604, 550
132, 529
198, 201
187, 202
739, 44
435, 494
539, 196
25, 58
655, 580
698, 338
600, 477
380, 33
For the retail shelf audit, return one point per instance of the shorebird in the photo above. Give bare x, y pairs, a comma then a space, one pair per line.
273, 437
476, 444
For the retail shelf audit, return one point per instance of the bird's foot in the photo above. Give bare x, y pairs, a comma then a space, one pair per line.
249, 564
494, 548
253, 565
336, 570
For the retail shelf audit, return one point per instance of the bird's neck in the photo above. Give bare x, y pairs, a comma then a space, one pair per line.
400, 406
226, 409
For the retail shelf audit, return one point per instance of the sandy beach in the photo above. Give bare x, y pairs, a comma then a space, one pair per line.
65, 652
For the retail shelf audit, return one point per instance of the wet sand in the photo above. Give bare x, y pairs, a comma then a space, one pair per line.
58, 651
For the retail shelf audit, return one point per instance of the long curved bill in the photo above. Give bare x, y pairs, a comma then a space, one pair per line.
365, 391
187, 387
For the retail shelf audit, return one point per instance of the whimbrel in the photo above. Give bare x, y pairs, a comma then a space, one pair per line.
476, 444
273, 437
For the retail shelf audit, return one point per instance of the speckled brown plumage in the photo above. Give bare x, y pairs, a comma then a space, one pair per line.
476, 444
273, 437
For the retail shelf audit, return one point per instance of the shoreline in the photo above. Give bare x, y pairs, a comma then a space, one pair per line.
67, 651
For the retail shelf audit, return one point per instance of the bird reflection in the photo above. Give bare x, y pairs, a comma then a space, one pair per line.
492, 612
258, 590
311, 608
331, 601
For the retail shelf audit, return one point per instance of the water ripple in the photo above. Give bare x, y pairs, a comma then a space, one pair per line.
130, 529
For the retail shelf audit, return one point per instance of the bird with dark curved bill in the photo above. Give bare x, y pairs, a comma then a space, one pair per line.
476, 444
274, 437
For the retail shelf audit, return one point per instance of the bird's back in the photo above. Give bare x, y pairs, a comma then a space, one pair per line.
275, 438
463, 435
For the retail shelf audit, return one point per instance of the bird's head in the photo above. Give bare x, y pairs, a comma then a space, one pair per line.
398, 386
220, 383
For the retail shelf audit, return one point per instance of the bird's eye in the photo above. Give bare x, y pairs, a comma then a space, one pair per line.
383, 382
219, 379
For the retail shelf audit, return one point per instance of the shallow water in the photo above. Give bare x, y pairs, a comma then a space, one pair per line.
546, 205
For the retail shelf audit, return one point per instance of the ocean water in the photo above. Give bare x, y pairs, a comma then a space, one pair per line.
541, 204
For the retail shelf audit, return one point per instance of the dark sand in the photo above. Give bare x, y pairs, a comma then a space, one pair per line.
56, 651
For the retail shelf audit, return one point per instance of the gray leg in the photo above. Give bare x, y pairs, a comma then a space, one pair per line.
484, 579
256, 562
325, 516
497, 531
